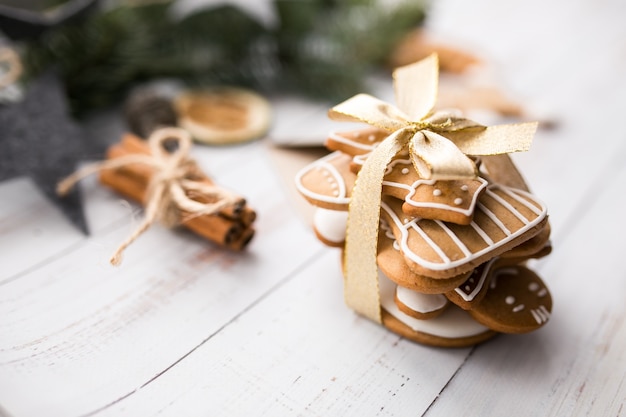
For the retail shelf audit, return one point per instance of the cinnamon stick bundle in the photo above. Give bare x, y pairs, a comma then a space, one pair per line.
230, 227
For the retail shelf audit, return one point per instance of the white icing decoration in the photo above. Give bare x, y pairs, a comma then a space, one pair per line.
371, 138
533, 286
393, 164
445, 262
331, 224
452, 323
482, 233
429, 204
341, 139
323, 163
509, 299
458, 201
470, 297
541, 314
422, 303
436, 192
518, 308
507, 205
542, 293
494, 219
454, 238
464, 187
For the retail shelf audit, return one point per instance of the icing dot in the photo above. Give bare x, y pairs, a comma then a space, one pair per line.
509, 300
334, 185
471, 280
464, 187
458, 201
371, 138
468, 288
329, 179
405, 171
436, 192
517, 308
336, 192
542, 293
533, 286
405, 220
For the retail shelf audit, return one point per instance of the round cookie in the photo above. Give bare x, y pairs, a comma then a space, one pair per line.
504, 218
517, 301
225, 115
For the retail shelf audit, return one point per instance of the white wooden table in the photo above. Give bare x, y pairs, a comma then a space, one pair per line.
183, 328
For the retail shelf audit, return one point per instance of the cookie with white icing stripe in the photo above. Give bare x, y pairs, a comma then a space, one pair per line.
517, 301
504, 218
327, 182
391, 262
471, 292
536, 247
355, 142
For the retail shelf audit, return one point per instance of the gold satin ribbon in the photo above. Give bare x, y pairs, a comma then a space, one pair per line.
438, 145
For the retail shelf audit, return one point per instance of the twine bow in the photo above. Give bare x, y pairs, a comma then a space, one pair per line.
167, 194
438, 145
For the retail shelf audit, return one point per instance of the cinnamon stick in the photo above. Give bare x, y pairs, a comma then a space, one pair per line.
231, 227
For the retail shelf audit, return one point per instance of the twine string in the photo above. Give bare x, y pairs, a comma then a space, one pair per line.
166, 196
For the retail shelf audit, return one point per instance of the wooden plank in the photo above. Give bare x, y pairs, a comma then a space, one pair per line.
78, 333
300, 351
575, 365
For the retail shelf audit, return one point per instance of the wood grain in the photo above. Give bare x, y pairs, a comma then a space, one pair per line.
184, 328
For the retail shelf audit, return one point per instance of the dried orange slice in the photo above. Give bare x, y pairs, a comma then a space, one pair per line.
222, 116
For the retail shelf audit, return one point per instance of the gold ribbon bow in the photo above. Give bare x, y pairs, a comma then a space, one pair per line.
438, 146
166, 197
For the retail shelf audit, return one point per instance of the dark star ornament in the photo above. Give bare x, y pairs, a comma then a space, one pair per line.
39, 139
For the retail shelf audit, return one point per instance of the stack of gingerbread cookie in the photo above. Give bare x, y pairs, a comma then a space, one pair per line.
451, 254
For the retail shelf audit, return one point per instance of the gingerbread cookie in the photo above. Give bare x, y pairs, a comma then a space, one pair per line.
473, 290
517, 301
391, 262
536, 247
418, 305
452, 328
504, 218
355, 142
327, 182
330, 226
